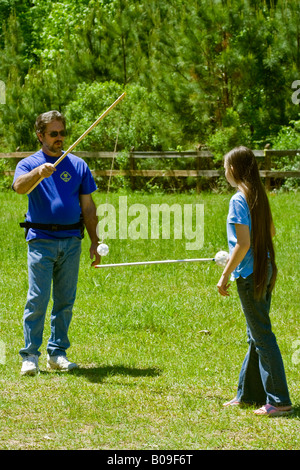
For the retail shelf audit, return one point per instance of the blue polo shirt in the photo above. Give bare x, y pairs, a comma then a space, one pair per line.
239, 213
56, 199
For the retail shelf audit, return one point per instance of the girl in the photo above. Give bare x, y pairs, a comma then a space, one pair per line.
252, 264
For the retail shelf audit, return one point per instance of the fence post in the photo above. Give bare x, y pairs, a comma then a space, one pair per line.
132, 167
267, 167
198, 167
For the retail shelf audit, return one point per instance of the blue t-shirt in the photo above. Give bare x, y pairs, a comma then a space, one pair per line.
56, 199
239, 213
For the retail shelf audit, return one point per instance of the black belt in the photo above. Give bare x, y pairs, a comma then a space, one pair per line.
51, 227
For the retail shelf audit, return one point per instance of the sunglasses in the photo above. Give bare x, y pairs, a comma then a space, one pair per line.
55, 133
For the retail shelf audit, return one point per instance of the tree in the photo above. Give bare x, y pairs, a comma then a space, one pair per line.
198, 62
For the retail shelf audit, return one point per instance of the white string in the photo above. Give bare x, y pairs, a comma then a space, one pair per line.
111, 170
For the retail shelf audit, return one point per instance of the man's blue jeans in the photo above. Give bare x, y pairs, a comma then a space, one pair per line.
262, 378
57, 261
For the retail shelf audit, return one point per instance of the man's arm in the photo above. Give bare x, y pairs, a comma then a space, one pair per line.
24, 182
90, 218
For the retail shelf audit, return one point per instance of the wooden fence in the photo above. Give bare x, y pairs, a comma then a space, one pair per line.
201, 158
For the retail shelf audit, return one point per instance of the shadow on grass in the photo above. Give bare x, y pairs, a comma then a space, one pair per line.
98, 374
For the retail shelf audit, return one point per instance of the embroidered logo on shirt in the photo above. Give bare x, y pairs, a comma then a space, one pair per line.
65, 176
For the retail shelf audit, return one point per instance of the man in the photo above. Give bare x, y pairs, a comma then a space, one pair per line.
54, 231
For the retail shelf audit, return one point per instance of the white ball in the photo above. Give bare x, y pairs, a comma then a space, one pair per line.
221, 258
102, 249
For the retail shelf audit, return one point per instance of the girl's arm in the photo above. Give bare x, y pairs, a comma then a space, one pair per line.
238, 254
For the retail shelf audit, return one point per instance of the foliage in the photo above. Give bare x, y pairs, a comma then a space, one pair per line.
215, 73
190, 64
137, 123
5, 181
288, 138
231, 134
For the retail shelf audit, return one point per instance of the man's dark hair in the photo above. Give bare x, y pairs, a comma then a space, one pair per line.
44, 119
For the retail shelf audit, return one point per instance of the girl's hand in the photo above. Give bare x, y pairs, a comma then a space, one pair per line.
223, 285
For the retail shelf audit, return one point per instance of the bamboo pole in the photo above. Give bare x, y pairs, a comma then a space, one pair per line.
79, 139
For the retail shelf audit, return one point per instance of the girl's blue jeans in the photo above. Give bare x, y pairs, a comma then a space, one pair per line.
262, 378
50, 262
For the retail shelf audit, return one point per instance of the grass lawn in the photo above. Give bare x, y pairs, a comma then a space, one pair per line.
150, 375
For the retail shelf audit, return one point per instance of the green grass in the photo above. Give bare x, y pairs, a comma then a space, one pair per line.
149, 377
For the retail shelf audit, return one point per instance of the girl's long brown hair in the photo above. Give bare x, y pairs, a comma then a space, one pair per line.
245, 172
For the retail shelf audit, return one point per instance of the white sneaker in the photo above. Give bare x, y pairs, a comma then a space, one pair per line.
60, 363
30, 365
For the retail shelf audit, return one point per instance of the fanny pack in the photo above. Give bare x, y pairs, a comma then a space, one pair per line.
53, 227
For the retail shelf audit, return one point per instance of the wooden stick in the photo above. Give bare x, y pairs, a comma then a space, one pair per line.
80, 139
192, 260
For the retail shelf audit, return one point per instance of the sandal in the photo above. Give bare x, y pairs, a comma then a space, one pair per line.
270, 410
233, 402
